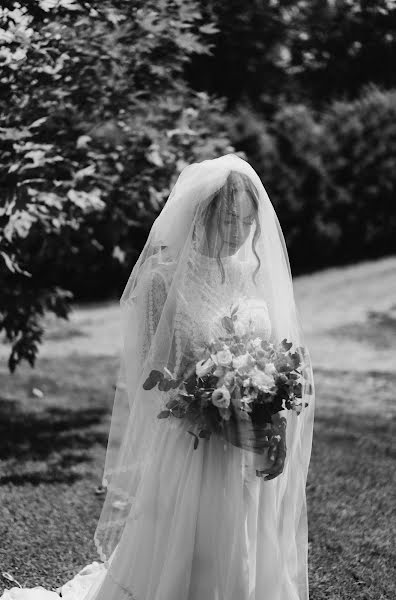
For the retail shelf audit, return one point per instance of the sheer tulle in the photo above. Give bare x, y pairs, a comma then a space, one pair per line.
180, 523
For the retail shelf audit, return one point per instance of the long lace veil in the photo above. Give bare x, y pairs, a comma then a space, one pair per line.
222, 204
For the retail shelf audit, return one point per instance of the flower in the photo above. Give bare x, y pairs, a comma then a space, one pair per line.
270, 368
224, 357
243, 362
246, 382
296, 405
261, 380
245, 404
219, 372
221, 397
203, 367
256, 343
229, 379
248, 398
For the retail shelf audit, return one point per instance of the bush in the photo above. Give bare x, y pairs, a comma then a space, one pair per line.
360, 158
331, 177
97, 122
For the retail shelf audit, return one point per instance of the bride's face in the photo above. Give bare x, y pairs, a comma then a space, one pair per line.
237, 217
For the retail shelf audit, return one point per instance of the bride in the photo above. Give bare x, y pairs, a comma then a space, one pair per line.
187, 515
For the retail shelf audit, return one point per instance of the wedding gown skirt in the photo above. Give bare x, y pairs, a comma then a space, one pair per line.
193, 535
201, 529
201, 526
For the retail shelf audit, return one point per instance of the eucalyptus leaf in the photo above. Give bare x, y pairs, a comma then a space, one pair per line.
152, 380
196, 441
164, 414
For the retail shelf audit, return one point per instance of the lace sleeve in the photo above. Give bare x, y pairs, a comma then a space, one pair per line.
154, 298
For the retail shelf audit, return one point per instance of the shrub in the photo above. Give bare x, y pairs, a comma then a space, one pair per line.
331, 177
96, 122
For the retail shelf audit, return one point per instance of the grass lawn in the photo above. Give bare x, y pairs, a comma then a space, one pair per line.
53, 447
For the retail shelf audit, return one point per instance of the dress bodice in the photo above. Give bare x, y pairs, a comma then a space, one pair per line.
207, 298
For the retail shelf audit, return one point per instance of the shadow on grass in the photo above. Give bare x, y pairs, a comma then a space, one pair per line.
351, 507
379, 329
50, 445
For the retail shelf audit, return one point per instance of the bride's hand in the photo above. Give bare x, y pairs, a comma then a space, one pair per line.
277, 452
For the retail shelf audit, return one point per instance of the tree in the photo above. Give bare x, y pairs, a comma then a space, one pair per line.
96, 121
270, 53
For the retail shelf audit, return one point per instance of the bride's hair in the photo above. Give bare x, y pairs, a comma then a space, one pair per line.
223, 199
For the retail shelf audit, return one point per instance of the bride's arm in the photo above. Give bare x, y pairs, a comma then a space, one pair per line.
164, 336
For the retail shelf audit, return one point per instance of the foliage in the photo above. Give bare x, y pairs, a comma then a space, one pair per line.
360, 158
294, 51
100, 123
331, 176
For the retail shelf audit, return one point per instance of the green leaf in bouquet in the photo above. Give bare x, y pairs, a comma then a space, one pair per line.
293, 376
171, 404
190, 383
285, 345
179, 412
174, 383
295, 359
297, 390
234, 310
196, 441
277, 404
164, 414
211, 381
228, 324
282, 365
165, 385
152, 380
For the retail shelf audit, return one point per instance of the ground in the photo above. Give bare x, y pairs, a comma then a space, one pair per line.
53, 447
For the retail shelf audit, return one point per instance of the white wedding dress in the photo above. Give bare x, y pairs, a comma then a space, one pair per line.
200, 528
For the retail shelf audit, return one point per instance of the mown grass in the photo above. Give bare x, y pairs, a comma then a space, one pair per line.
52, 450
350, 495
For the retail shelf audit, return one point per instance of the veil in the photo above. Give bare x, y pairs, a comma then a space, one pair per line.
216, 204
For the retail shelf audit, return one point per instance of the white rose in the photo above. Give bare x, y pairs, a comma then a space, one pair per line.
261, 380
221, 397
256, 343
224, 358
248, 398
270, 368
203, 367
243, 362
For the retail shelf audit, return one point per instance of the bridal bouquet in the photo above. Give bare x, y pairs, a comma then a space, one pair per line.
240, 376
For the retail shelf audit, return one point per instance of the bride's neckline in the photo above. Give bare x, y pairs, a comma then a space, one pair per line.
209, 262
